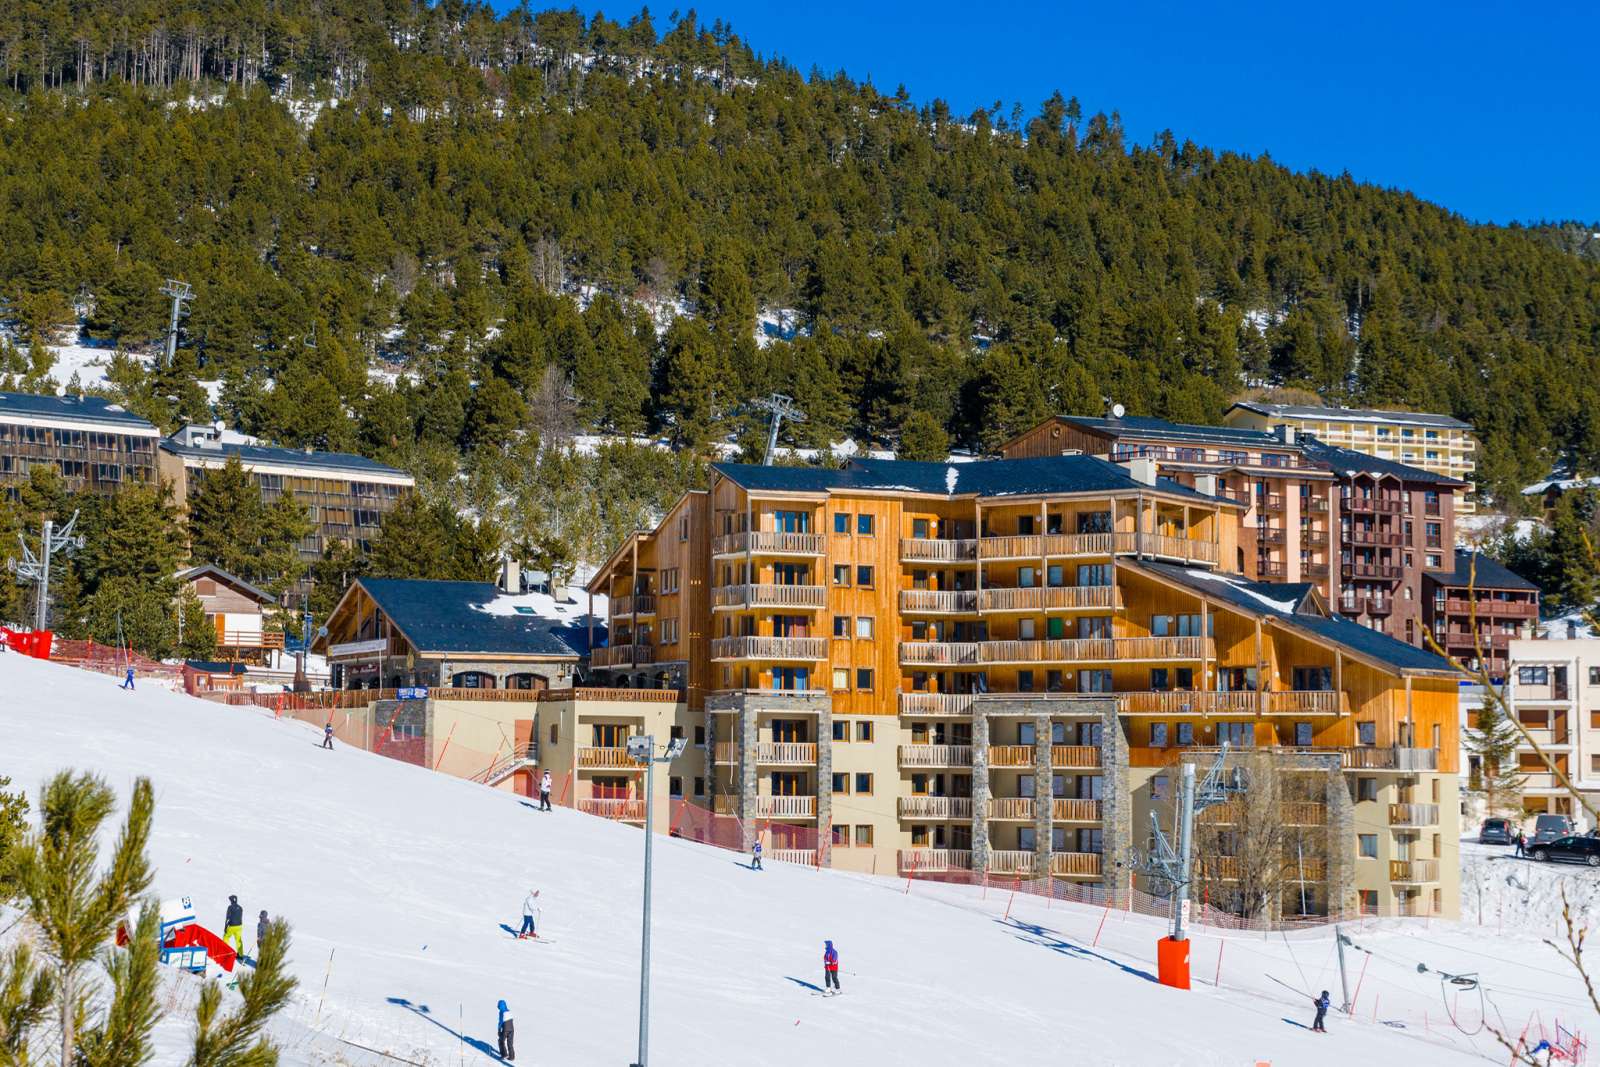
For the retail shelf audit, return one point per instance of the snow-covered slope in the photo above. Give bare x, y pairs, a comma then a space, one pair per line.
403, 879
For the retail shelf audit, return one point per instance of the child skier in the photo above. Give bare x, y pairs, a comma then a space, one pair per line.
127, 680
544, 792
530, 912
755, 856
830, 968
1321, 1004
506, 1032
327, 736
233, 926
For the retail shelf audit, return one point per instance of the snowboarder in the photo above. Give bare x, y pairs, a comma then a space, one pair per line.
755, 857
127, 680
830, 968
506, 1032
327, 736
261, 930
544, 792
530, 912
233, 926
1521, 843
1321, 1004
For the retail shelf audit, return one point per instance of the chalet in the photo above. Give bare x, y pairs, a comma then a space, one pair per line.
235, 609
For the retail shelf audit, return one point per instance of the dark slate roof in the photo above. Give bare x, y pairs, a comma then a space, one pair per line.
1312, 411
85, 409
1343, 460
985, 478
1491, 573
450, 617
230, 579
1288, 602
254, 454
1182, 432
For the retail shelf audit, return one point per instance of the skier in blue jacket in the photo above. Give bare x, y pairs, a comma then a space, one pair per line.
1321, 1004
506, 1032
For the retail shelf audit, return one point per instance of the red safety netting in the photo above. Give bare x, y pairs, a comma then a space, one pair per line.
107, 659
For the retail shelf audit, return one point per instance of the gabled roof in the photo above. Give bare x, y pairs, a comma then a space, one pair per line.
89, 410
211, 570
1295, 606
266, 456
454, 618
1180, 432
1312, 411
1349, 461
985, 478
1491, 573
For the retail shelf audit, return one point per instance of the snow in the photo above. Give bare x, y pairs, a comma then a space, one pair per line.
396, 881
572, 609
1284, 607
1556, 629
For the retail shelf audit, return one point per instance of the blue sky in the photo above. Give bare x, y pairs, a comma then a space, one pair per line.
1494, 114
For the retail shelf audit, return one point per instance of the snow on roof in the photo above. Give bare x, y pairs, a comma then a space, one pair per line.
1251, 590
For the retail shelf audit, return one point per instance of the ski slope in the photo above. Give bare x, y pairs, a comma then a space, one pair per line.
397, 882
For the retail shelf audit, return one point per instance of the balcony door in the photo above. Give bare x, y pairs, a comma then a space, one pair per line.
610, 734
791, 521
788, 784
789, 731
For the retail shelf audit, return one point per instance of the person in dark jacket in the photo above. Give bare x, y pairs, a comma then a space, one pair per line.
1521, 842
327, 736
1321, 1004
233, 926
507, 1034
830, 967
755, 856
262, 922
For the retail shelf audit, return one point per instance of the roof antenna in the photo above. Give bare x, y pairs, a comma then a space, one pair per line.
779, 408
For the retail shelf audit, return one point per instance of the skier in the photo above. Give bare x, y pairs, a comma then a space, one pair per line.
327, 736
530, 911
755, 856
127, 680
261, 930
830, 968
506, 1033
1321, 1004
233, 926
544, 792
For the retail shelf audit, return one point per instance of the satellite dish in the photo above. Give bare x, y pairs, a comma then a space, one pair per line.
1117, 411
219, 425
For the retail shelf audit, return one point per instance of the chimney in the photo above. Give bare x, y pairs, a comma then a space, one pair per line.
1142, 470
1284, 433
1206, 483
1572, 629
510, 576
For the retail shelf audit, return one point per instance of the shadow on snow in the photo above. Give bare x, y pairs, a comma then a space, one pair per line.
422, 1012
1038, 935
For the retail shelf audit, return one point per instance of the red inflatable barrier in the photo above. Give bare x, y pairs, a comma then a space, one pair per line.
195, 934
35, 643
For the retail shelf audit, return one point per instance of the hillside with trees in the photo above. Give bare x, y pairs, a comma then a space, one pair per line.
444, 237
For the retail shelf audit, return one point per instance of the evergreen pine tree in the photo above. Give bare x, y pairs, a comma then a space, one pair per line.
1494, 740
922, 438
235, 1039
224, 518
13, 831
27, 993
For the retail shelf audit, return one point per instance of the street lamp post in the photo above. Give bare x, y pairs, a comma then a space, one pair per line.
642, 749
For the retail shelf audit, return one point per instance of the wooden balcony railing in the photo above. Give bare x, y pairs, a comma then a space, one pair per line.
769, 596
933, 860
1270, 501
1411, 872
938, 601
782, 648
1075, 864
611, 759
1066, 650
1069, 757
626, 810
1243, 701
770, 543
935, 755
1271, 535
1386, 571
936, 550
797, 807
1038, 546
621, 655
243, 639
1391, 759
806, 857
1413, 815
1184, 549
1011, 755
787, 753
1369, 605
956, 705
642, 603
1372, 504
1488, 606
1011, 809
930, 807
1004, 862
1304, 813
1072, 809
1359, 535
1051, 597
727, 753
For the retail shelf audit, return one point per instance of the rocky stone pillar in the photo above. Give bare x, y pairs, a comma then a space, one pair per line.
980, 789
824, 784
711, 759
1116, 806
1042, 772
1341, 861
749, 782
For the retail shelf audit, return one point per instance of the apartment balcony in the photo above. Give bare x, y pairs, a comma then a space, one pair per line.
1316, 504
637, 604
1314, 538
938, 601
1074, 757
622, 655
1304, 813
769, 543
621, 809
1059, 650
1373, 505
1413, 872
1418, 815
796, 807
813, 597
1051, 598
1270, 501
1314, 570
808, 649
939, 705
937, 550
1237, 702
1011, 809
247, 640
1271, 535
933, 860
1397, 758
1075, 864
1072, 809
1358, 535
1366, 605
1003, 756
935, 756
607, 759
1268, 568
1016, 863
772, 753
1181, 549
1465, 640
1040, 546
936, 808
1392, 572
1488, 606
805, 857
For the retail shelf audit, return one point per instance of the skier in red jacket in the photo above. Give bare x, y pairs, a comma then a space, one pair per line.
830, 967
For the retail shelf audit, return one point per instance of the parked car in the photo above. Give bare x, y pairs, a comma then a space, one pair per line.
1496, 832
1548, 828
1570, 849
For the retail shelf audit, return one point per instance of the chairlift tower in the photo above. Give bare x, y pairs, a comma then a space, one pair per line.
35, 570
778, 408
181, 293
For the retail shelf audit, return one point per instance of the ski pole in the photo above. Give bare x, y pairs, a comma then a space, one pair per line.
325, 978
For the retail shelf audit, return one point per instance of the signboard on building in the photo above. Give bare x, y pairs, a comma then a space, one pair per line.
357, 649
411, 692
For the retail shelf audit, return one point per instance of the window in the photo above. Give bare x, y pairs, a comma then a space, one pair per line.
1158, 735
1366, 733
864, 730
1369, 901
1096, 574
1434, 561
1536, 675
1594, 675
919, 527
841, 837
864, 524
864, 836
699, 786
841, 780
863, 784
841, 680
1159, 787
1159, 679
1176, 625
864, 627
841, 626
864, 678
1302, 734
1366, 789
683, 529
1024, 681
1368, 845
1186, 733
841, 574
841, 728
700, 737
553, 733
864, 577
675, 732
841, 522
675, 787
1314, 678
1097, 681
